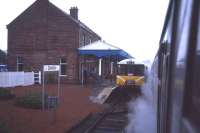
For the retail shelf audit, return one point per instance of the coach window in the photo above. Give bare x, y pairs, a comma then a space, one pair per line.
20, 63
192, 93
192, 99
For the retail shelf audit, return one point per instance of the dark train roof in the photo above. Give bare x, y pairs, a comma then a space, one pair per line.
167, 17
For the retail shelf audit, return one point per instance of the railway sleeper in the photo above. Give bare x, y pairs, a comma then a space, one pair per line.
116, 120
112, 124
107, 132
108, 129
117, 117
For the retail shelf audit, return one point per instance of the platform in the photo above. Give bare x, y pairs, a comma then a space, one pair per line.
103, 95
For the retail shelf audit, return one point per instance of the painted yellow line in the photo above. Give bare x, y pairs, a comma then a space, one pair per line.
139, 78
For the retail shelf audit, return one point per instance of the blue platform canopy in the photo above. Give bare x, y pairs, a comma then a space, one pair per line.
102, 49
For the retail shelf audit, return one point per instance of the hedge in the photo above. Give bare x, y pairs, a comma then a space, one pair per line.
6, 94
3, 127
32, 100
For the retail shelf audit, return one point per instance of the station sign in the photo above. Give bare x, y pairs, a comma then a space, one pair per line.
51, 68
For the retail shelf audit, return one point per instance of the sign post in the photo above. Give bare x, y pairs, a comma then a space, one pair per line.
50, 68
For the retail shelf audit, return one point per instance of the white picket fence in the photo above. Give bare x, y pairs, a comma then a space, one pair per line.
12, 79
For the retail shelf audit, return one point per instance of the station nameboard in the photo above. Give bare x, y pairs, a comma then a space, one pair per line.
51, 68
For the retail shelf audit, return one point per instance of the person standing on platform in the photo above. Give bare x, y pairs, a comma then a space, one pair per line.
85, 76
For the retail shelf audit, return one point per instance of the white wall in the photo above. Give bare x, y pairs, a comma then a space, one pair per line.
12, 79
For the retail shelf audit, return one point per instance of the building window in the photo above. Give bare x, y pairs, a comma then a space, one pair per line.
63, 66
20, 63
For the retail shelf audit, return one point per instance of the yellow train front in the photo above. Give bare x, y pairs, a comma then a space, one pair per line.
130, 76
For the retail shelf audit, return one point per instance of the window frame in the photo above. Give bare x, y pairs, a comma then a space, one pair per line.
191, 121
20, 61
63, 64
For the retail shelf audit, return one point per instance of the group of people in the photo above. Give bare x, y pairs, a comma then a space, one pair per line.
87, 75
95, 76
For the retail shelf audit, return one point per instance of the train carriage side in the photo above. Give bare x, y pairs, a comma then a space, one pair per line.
178, 102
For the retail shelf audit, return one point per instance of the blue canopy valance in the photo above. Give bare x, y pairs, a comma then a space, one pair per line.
102, 49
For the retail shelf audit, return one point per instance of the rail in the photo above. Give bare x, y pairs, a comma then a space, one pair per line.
111, 120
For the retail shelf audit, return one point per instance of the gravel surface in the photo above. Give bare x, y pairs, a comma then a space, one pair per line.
74, 105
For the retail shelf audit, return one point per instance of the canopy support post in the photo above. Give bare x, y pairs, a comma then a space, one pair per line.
100, 61
111, 67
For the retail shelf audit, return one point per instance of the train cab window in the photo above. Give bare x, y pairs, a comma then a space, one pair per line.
139, 70
132, 69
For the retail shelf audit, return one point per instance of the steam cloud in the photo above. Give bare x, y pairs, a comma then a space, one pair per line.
142, 114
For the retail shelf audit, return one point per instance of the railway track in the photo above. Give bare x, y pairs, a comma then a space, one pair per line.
111, 120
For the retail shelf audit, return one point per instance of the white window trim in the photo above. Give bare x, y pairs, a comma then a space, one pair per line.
18, 63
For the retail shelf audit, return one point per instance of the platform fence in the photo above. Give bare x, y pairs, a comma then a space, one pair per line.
13, 79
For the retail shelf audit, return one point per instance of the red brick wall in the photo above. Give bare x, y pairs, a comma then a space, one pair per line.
27, 38
42, 35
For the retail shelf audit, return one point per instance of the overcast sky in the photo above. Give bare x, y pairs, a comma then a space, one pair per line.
133, 25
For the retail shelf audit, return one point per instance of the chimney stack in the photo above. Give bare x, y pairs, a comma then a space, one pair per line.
74, 12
